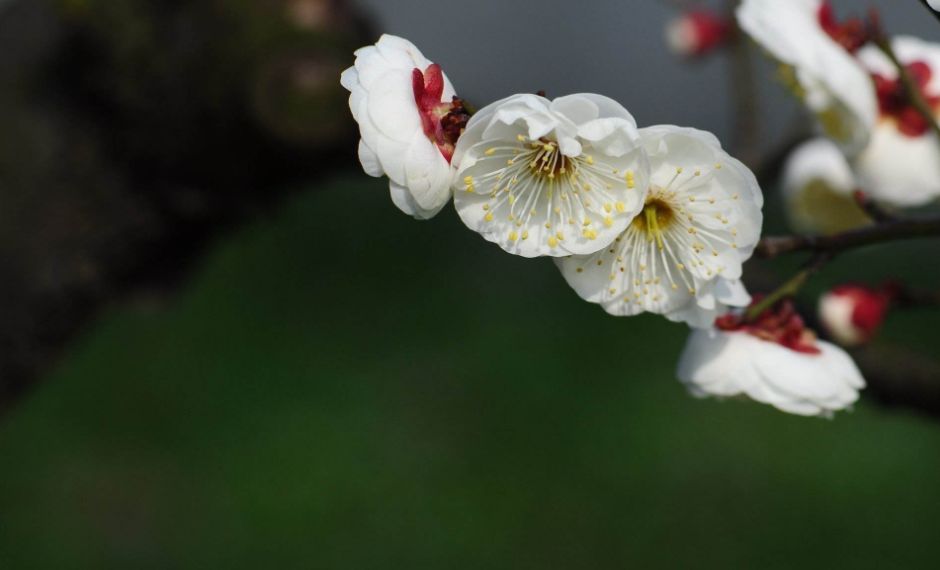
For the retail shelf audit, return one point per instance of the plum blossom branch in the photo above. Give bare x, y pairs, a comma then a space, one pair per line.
894, 229
826, 247
907, 297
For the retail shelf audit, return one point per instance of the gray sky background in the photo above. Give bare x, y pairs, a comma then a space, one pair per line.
494, 48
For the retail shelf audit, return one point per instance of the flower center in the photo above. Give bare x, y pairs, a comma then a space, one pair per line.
656, 217
443, 123
541, 185
894, 102
684, 232
779, 324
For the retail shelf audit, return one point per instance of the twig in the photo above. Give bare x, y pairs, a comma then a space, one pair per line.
826, 248
791, 287
932, 11
907, 298
894, 229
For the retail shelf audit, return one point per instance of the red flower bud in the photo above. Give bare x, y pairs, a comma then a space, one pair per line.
696, 33
852, 314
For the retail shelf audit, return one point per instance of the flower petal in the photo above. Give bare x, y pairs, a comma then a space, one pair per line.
370, 160
427, 173
392, 106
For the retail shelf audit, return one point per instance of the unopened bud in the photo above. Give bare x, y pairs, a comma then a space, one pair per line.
852, 314
696, 33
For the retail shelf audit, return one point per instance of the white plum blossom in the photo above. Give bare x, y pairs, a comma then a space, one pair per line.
682, 256
818, 186
400, 99
817, 64
777, 363
553, 178
901, 165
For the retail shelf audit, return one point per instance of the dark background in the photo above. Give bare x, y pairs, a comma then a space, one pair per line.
335, 385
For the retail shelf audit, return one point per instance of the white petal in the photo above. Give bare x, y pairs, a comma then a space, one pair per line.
818, 183
370, 160
402, 198
898, 169
576, 108
350, 79
718, 364
392, 106
818, 160
614, 137
834, 84
841, 365
732, 293
401, 54
656, 132
607, 107
427, 173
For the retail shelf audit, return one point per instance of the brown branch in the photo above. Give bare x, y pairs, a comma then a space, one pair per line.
887, 231
907, 298
900, 377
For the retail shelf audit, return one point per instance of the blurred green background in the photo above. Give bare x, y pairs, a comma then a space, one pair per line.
343, 387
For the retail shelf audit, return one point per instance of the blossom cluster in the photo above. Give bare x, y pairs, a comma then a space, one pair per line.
872, 131
658, 219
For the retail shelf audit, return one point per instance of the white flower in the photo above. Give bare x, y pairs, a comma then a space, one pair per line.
779, 364
802, 35
818, 185
935, 4
852, 314
902, 163
682, 256
399, 99
540, 177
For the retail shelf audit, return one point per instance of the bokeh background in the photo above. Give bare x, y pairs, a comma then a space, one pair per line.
330, 384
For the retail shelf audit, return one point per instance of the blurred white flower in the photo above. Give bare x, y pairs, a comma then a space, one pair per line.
695, 33
817, 63
402, 103
818, 185
852, 314
935, 4
540, 177
682, 256
901, 165
775, 361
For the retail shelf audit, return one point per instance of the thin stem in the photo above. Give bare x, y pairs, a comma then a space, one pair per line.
932, 11
791, 287
906, 297
894, 229
910, 87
